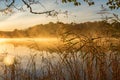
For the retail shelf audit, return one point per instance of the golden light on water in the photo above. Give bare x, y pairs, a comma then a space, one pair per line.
9, 60
2, 40
27, 39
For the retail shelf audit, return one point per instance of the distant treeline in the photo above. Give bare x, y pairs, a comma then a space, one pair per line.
97, 28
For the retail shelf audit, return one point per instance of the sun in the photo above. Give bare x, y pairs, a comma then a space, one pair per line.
2, 40
9, 60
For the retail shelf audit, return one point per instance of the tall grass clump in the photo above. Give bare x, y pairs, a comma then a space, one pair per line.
78, 58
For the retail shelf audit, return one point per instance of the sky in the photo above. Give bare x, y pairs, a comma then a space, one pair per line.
77, 14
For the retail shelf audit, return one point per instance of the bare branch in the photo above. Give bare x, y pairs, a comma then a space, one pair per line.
13, 1
10, 4
19, 9
28, 6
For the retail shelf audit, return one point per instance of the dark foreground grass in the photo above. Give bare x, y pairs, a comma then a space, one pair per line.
81, 59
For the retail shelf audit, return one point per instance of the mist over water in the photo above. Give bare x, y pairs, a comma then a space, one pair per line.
35, 52
24, 48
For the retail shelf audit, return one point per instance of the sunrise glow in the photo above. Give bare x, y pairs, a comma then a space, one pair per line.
59, 39
9, 60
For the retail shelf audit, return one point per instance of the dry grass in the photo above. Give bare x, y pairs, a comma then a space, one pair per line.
82, 59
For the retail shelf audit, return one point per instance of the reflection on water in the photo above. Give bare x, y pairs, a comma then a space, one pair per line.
41, 62
9, 60
23, 54
36, 43
25, 48
28, 39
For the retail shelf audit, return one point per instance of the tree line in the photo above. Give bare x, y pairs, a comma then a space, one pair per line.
97, 28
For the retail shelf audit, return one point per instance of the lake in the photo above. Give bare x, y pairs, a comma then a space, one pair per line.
25, 48
37, 55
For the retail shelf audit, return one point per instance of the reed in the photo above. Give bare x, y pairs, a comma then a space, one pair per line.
80, 58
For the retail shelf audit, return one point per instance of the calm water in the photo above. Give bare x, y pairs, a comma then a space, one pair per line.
24, 48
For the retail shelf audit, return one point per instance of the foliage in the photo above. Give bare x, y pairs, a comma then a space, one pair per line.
100, 28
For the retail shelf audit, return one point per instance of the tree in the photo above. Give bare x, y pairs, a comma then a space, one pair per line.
9, 5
